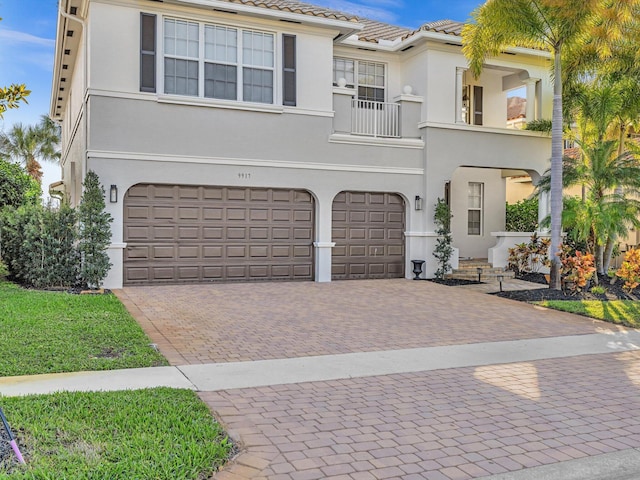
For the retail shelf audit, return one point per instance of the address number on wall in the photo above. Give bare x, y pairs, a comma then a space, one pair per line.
244, 175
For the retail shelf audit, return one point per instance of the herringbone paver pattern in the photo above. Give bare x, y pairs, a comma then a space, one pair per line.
237, 322
441, 425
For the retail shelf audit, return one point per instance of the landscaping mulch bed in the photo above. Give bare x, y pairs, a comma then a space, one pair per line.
613, 291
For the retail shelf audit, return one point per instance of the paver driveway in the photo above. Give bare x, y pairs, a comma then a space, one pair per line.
457, 423
237, 322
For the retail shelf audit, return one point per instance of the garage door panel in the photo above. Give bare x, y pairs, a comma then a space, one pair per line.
236, 214
236, 233
211, 251
163, 273
160, 252
137, 212
210, 213
368, 231
188, 213
207, 233
188, 273
135, 233
190, 251
188, 233
137, 253
213, 233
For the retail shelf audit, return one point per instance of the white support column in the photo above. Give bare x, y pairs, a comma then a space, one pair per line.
323, 245
543, 210
459, 84
530, 112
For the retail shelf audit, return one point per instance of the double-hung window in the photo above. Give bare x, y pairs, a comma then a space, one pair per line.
181, 57
215, 61
367, 77
474, 209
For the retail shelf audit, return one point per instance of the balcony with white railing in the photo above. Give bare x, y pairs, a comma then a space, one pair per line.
375, 119
379, 123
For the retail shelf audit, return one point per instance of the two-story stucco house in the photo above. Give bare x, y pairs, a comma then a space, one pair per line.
277, 140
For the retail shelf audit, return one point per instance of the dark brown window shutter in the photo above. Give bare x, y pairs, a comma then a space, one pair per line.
147, 52
289, 70
477, 105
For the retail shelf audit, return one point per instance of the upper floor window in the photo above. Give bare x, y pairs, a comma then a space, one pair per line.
213, 61
367, 77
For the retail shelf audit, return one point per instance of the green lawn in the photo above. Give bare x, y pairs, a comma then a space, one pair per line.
156, 433
624, 312
47, 332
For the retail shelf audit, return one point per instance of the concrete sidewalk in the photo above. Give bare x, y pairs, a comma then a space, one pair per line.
225, 376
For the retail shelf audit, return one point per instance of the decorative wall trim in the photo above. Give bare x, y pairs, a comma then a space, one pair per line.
159, 157
376, 141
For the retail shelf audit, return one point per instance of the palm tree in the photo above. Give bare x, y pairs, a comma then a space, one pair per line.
608, 207
555, 26
29, 144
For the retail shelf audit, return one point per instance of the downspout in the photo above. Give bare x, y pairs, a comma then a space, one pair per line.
85, 79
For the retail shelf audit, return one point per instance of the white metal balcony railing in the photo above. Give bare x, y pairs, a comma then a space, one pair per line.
377, 119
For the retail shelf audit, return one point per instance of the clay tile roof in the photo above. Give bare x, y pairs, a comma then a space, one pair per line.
516, 107
302, 8
374, 31
572, 152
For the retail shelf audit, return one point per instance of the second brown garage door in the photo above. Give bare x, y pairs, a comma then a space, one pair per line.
198, 234
368, 230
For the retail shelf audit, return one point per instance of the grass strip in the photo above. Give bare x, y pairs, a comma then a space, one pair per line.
158, 433
622, 312
49, 332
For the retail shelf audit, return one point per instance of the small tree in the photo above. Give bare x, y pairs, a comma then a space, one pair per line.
442, 252
94, 232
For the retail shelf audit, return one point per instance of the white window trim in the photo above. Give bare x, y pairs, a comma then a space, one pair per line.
356, 72
277, 64
477, 209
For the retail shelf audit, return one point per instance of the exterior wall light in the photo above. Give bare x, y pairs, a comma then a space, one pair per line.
113, 194
418, 202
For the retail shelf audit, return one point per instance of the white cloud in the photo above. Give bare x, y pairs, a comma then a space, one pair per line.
14, 37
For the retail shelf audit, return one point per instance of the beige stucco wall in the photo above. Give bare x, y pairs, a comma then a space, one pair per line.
493, 213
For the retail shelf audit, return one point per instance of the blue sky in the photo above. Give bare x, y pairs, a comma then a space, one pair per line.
27, 33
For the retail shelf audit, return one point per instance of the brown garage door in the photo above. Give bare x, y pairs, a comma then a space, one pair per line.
198, 234
368, 229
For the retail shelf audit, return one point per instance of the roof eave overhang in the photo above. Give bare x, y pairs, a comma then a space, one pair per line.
345, 27
420, 36
59, 60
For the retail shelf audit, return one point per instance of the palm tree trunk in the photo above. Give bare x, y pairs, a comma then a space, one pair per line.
556, 173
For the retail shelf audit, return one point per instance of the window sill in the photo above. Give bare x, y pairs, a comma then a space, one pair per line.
214, 103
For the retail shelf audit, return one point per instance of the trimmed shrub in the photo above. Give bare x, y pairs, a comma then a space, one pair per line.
16, 187
443, 250
38, 244
522, 216
94, 233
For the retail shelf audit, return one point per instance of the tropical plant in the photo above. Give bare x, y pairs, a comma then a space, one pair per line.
555, 26
608, 206
94, 232
529, 257
577, 270
29, 144
541, 125
443, 249
629, 271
